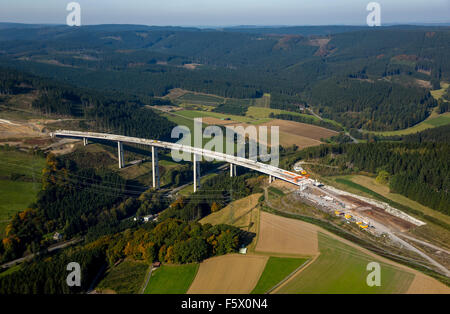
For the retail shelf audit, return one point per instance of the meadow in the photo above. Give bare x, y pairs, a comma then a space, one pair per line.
171, 279
127, 277
341, 268
277, 269
19, 183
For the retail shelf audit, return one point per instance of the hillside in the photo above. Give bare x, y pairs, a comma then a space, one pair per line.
398, 64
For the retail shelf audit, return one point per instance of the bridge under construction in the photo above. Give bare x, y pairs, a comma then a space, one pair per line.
198, 153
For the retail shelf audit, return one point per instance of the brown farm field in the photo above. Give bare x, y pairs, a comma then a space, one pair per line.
233, 273
301, 129
286, 236
234, 213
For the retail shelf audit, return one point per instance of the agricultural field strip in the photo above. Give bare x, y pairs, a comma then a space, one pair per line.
294, 273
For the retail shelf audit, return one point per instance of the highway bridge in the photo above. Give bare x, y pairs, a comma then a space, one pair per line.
234, 161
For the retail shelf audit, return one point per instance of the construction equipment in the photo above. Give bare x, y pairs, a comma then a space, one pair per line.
337, 213
348, 216
363, 226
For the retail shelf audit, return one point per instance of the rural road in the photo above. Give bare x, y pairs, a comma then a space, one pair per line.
424, 243
30, 256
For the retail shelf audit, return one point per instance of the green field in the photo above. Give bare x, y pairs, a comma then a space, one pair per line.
10, 270
277, 269
438, 93
17, 162
434, 120
191, 114
440, 121
127, 277
171, 279
214, 100
341, 268
19, 183
194, 98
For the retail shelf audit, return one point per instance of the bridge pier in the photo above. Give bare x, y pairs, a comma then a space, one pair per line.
271, 179
120, 154
155, 167
196, 173
231, 170
85, 141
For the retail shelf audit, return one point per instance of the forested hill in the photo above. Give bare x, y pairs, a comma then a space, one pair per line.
112, 112
417, 169
401, 64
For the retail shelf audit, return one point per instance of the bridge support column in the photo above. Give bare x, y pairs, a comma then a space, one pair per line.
270, 179
85, 141
196, 173
120, 154
234, 170
155, 167
231, 170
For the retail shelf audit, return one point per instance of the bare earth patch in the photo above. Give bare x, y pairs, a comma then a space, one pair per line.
233, 273
301, 129
286, 236
217, 121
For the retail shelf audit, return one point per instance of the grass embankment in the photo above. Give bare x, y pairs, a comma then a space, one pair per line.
127, 277
341, 268
171, 279
277, 269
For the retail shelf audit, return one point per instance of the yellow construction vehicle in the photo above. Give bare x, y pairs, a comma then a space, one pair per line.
303, 172
359, 222
337, 212
348, 216
363, 226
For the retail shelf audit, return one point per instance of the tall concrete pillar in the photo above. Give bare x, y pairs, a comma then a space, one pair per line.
234, 170
155, 167
120, 154
231, 170
196, 173
85, 141
270, 179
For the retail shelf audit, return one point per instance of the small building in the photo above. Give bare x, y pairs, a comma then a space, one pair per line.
147, 218
243, 250
57, 236
156, 264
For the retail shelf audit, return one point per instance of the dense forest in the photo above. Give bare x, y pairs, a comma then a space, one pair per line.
104, 112
417, 169
382, 77
370, 105
78, 200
